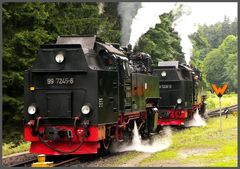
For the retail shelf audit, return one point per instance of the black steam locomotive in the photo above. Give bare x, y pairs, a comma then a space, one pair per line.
181, 92
82, 94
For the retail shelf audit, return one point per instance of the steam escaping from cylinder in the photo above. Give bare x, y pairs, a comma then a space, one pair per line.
197, 120
127, 11
157, 143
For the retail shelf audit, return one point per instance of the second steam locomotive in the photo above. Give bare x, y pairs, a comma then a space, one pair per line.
82, 94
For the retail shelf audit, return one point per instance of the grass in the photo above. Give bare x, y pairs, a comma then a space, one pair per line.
221, 146
10, 148
227, 100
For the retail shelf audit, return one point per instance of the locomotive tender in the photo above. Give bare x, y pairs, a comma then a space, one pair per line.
82, 94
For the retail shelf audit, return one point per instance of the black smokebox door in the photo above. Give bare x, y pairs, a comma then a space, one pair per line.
59, 105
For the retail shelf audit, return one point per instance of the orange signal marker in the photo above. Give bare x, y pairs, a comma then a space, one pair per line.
219, 91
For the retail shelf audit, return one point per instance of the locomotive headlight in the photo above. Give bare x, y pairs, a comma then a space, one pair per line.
59, 58
164, 74
32, 109
86, 109
179, 101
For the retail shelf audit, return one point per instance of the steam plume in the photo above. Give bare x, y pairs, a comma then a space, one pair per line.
156, 143
100, 7
147, 17
127, 11
196, 121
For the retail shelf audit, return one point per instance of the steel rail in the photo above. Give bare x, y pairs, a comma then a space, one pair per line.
18, 159
23, 163
30, 161
65, 162
225, 111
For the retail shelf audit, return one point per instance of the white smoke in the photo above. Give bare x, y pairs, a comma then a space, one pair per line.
127, 11
156, 143
100, 8
197, 120
147, 17
137, 18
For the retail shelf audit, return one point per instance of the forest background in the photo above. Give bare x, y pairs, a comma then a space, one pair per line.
26, 26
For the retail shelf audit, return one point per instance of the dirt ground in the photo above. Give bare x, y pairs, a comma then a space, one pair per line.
113, 161
222, 151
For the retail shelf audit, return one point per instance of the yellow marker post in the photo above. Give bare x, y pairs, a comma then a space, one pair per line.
219, 92
42, 162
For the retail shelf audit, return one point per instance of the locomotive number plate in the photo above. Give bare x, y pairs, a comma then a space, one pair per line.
60, 81
165, 86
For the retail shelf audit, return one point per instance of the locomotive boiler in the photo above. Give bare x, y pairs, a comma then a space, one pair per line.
82, 94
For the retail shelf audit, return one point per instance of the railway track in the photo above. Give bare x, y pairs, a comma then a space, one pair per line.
25, 159
20, 159
225, 111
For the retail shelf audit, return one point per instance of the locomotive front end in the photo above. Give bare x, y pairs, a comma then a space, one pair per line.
62, 112
176, 92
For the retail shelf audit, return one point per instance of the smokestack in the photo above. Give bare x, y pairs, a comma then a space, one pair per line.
127, 11
129, 47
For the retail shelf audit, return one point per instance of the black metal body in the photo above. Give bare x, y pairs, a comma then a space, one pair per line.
91, 73
178, 83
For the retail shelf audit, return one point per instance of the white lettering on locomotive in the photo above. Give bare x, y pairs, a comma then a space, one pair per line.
60, 81
100, 102
165, 86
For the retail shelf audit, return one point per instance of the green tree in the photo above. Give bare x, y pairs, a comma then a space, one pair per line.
228, 49
110, 27
23, 33
26, 26
213, 40
220, 65
162, 42
208, 37
213, 67
200, 47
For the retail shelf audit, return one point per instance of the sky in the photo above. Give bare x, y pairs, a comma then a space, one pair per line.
197, 13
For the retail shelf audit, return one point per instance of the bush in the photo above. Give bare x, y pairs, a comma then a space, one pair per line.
11, 148
227, 100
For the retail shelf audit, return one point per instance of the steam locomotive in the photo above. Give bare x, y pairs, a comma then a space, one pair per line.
81, 94
181, 93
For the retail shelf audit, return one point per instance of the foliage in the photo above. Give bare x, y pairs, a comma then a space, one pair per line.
26, 26
23, 33
215, 53
209, 37
11, 148
227, 100
220, 64
162, 42
109, 30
